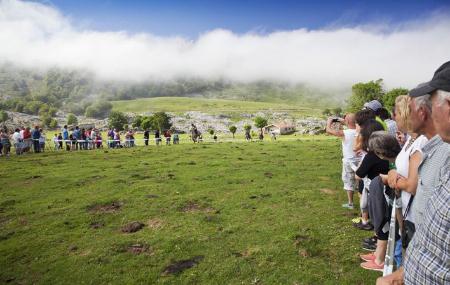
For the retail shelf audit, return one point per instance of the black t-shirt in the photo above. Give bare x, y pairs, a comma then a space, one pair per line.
372, 166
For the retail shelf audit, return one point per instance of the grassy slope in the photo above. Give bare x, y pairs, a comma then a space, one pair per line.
259, 197
212, 106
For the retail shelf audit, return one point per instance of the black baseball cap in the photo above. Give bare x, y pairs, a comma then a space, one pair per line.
441, 80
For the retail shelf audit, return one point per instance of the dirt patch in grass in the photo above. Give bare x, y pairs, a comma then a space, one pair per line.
268, 174
327, 191
179, 266
110, 207
96, 225
299, 239
152, 196
139, 248
194, 206
132, 227
155, 223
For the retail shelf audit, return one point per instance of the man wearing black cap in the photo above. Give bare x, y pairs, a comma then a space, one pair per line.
427, 259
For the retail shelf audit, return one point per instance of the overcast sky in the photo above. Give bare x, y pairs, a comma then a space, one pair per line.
326, 46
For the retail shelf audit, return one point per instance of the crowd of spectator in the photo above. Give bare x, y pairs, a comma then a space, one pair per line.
25, 140
400, 167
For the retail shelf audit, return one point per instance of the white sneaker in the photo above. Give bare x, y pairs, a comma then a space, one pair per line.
348, 206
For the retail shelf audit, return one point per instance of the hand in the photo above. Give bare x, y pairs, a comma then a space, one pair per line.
392, 178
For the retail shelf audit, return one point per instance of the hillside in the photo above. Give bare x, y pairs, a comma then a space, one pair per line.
210, 106
46, 92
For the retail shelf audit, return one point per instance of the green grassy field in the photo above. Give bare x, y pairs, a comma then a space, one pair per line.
213, 106
242, 213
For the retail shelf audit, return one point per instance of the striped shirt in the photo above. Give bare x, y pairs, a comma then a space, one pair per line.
435, 153
428, 255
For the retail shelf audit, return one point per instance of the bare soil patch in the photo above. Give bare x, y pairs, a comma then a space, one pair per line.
179, 266
132, 227
110, 207
327, 191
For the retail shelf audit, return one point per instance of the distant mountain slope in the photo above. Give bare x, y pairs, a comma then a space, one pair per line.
73, 91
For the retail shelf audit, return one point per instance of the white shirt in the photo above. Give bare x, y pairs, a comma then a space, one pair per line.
402, 165
16, 137
347, 144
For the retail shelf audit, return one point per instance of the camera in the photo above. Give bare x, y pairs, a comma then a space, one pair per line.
335, 120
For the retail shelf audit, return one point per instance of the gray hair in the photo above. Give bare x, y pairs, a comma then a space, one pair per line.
442, 96
384, 145
424, 101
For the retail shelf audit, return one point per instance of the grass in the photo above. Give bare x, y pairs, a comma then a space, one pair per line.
252, 213
214, 106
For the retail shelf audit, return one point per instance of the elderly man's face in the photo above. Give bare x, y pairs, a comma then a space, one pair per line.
416, 120
441, 117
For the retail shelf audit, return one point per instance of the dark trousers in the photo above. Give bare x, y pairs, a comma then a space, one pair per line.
36, 146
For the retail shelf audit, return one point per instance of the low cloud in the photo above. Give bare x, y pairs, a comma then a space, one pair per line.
36, 35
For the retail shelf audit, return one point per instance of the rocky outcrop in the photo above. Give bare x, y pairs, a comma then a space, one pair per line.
182, 122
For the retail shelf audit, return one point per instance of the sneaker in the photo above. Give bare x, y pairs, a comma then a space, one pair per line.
369, 246
367, 257
371, 265
348, 206
371, 240
365, 227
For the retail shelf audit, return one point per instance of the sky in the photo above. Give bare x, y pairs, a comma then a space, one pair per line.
192, 18
331, 44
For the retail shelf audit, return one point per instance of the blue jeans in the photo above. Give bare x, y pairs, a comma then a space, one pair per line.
398, 253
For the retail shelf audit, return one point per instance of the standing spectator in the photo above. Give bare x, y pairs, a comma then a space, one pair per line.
77, 137
28, 142
42, 140
248, 137
60, 141
146, 137
116, 139
176, 138
157, 137
428, 256
35, 135
17, 141
5, 142
391, 125
350, 160
168, 136
55, 142
65, 135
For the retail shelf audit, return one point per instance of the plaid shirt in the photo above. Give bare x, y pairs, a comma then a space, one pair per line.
435, 153
428, 256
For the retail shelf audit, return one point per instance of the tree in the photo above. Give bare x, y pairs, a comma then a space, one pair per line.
247, 127
117, 120
146, 123
388, 99
337, 111
326, 112
260, 122
233, 130
72, 119
99, 109
53, 124
365, 92
211, 131
137, 122
160, 121
46, 120
3, 116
